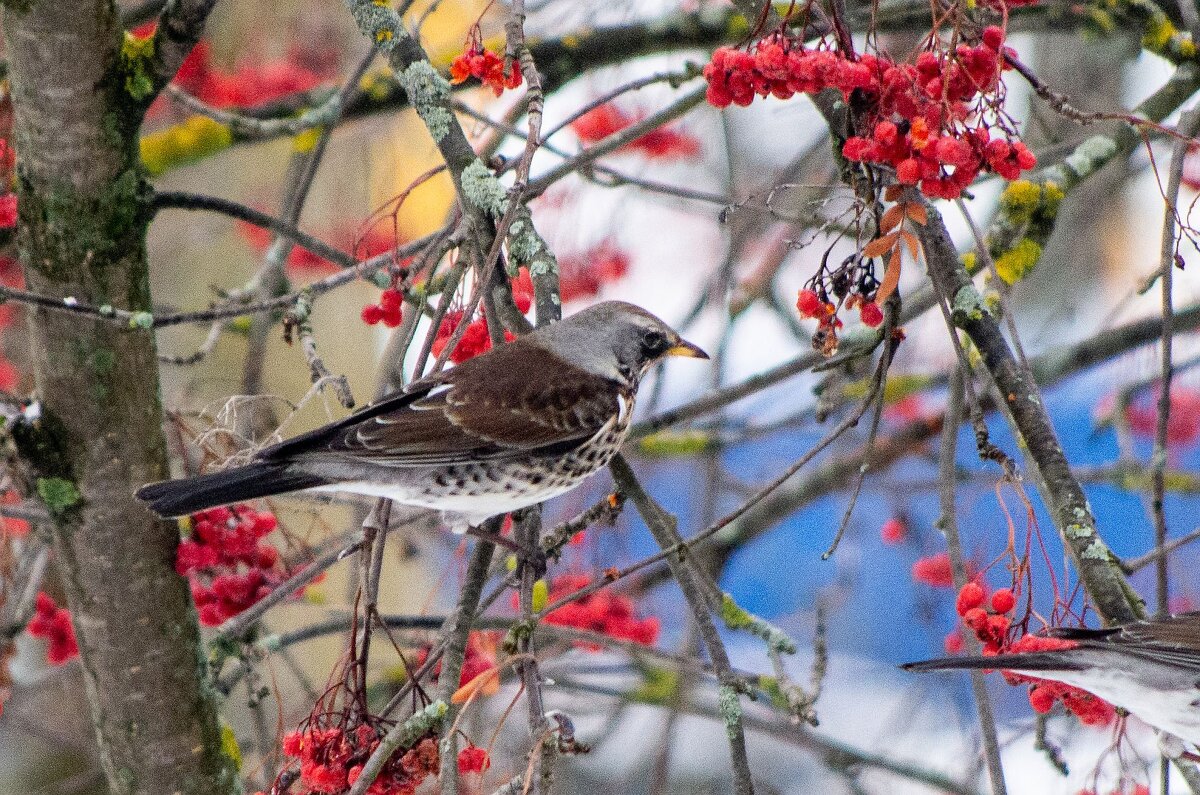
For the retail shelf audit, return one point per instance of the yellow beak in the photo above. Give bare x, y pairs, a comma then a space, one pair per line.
685, 348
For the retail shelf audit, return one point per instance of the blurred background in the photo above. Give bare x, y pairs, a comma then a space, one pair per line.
721, 259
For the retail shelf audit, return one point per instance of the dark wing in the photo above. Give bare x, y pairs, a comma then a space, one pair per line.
518, 398
1174, 640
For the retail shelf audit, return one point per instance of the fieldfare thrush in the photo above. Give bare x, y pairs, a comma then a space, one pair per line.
514, 426
1151, 669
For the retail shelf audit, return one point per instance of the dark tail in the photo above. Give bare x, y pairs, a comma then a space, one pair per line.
259, 479
1032, 661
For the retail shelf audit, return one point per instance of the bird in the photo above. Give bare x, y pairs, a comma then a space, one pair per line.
1149, 668
509, 428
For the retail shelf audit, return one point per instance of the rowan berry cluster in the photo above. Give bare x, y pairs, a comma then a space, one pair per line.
1183, 422
8, 201
583, 275
1043, 694
227, 562
662, 143
487, 67
476, 339
480, 657
331, 760
992, 629
387, 311
345, 235
53, 624
931, 121
850, 285
603, 611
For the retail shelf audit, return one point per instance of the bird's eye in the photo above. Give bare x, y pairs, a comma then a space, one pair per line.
654, 342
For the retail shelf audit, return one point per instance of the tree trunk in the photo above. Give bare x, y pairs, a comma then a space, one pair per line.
83, 217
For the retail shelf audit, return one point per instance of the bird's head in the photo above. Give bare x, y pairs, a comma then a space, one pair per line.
616, 340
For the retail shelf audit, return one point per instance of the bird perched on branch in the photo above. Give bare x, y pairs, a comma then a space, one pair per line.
512, 427
1148, 668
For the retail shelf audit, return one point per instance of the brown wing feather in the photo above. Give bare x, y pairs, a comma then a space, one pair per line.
1173, 641
518, 398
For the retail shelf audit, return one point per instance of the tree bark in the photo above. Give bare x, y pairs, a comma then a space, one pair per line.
83, 217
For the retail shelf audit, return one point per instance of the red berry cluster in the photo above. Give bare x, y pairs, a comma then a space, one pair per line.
603, 611
331, 760
473, 759
476, 339
583, 275
931, 121
388, 310
480, 656
1183, 423
53, 623
228, 564
810, 305
662, 143
991, 628
487, 66
8, 201
253, 81
1090, 710
347, 236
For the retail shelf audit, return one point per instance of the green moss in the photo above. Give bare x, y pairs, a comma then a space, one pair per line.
63, 229
59, 494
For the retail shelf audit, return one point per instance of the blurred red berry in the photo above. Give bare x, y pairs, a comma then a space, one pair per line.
894, 531
934, 570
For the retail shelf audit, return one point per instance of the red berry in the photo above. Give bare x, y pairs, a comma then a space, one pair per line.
970, 597
808, 303
390, 298
1003, 600
893, 531
871, 314
372, 314
993, 37
977, 619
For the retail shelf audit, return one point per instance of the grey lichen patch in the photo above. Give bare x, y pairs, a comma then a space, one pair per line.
1095, 551
378, 21
482, 188
428, 92
729, 707
969, 304
1077, 531
1089, 156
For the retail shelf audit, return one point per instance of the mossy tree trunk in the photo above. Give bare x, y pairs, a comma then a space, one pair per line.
83, 217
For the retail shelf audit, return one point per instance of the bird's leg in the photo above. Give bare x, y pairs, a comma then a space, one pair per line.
497, 539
